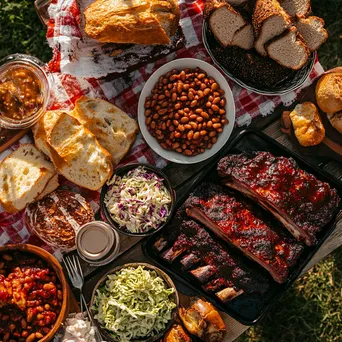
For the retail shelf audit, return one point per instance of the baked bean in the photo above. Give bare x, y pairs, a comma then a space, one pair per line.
184, 111
31, 338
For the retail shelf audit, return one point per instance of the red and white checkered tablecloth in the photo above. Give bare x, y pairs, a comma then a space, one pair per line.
64, 30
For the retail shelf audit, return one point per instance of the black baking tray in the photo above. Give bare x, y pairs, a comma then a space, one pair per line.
249, 309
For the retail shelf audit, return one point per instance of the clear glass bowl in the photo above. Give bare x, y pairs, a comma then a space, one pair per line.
35, 66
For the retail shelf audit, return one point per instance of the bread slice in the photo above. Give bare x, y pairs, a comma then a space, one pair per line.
336, 120
135, 21
113, 128
313, 32
299, 8
269, 20
42, 130
24, 175
51, 186
244, 37
224, 22
289, 50
307, 124
77, 154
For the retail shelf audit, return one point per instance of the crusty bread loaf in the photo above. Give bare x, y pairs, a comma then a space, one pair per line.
289, 50
42, 130
77, 154
336, 120
313, 31
299, 8
224, 22
113, 128
329, 92
24, 175
269, 20
307, 124
244, 37
136, 21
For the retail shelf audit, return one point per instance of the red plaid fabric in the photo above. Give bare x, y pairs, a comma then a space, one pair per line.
64, 30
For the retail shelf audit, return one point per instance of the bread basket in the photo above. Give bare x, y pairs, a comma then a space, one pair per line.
51, 261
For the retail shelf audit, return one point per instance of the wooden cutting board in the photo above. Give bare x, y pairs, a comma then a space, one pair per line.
331, 146
10, 136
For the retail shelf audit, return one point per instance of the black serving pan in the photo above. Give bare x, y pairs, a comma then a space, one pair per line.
248, 309
255, 76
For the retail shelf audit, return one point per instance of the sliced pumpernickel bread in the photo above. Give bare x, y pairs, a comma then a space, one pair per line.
113, 128
24, 175
244, 37
77, 154
313, 31
299, 8
289, 50
224, 22
269, 20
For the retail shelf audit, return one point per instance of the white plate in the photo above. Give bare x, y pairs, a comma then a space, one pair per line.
223, 137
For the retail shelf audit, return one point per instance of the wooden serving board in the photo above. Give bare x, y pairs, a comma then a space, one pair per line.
331, 146
10, 136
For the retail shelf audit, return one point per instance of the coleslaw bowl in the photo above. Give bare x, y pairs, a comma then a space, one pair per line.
168, 283
106, 215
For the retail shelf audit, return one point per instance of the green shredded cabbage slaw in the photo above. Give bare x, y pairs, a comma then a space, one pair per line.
133, 303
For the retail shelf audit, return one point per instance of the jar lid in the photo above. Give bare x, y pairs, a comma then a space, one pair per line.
96, 242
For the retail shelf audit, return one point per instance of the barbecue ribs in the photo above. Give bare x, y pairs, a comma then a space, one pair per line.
302, 203
221, 272
232, 221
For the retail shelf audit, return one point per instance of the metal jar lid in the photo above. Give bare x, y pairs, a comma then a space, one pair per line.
97, 243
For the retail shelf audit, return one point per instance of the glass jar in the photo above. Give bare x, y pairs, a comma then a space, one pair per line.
24, 91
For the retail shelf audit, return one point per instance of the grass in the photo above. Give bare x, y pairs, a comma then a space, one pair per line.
311, 311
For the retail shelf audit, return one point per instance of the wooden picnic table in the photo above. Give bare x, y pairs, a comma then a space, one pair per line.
182, 177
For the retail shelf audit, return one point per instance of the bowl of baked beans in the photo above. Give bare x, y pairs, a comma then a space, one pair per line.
24, 91
33, 294
186, 111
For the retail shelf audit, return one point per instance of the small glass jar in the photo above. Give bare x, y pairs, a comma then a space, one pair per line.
97, 243
24, 91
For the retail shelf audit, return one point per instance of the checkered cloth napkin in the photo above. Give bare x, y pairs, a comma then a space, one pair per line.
72, 57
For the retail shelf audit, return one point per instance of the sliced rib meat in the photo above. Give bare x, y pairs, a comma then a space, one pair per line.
232, 221
302, 203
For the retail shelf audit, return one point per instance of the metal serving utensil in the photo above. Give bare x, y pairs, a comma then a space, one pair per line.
75, 274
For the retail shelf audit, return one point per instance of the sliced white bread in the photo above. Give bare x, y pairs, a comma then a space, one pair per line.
299, 8
24, 175
113, 128
42, 130
224, 22
313, 31
51, 186
244, 37
289, 50
77, 154
269, 20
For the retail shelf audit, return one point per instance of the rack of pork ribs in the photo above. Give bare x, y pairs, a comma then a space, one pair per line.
303, 204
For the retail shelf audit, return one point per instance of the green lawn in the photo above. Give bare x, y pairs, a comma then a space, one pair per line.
311, 311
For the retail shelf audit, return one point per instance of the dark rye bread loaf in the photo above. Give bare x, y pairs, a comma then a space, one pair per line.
57, 217
269, 20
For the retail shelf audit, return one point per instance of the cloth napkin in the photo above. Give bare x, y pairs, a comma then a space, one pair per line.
74, 72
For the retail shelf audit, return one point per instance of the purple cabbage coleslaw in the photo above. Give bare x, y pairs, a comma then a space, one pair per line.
138, 201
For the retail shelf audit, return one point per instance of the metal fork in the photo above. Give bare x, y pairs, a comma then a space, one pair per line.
75, 274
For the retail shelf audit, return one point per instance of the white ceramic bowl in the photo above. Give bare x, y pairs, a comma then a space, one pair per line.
181, 64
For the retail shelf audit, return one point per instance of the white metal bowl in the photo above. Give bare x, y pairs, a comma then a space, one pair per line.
181, 64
